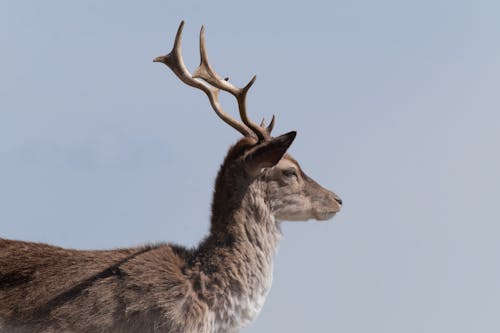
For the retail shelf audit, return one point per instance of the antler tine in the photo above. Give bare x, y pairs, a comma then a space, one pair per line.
206, 72
269, 127
175, 62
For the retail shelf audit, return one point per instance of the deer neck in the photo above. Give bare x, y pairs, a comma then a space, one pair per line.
235, 263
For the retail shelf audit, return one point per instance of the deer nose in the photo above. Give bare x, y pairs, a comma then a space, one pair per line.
338, 200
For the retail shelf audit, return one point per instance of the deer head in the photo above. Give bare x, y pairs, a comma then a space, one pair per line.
258, 158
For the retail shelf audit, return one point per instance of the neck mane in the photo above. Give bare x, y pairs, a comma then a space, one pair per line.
232, 268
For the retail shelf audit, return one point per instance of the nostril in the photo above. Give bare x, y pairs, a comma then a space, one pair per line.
339, 201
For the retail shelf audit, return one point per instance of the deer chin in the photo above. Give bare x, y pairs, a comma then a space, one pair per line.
324, 215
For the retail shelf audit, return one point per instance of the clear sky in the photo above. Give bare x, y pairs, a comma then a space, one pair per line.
397, 108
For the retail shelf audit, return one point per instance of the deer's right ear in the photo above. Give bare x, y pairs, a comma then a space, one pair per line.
268, 153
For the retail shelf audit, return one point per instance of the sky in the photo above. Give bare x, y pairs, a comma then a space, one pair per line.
397, 109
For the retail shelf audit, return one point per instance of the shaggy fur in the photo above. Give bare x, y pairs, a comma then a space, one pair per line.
219, 286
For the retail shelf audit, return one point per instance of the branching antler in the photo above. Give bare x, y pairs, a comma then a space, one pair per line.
205, 72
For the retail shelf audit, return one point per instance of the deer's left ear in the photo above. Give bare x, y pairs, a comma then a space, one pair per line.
268, 153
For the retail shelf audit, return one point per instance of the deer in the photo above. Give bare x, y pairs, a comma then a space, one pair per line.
218, 286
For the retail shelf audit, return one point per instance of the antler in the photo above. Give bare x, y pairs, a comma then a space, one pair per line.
269, 127
205, 72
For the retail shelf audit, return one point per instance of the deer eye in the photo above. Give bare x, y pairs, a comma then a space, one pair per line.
290, 173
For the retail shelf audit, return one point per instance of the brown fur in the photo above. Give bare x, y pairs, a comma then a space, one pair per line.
219, 286
156, 288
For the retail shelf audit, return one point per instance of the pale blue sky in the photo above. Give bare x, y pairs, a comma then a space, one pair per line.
397, 108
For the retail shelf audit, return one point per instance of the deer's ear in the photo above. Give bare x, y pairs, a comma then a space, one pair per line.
268, 153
